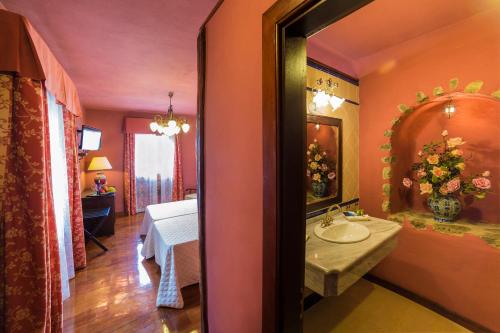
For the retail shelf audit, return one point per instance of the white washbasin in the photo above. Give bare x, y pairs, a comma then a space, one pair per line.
342, 232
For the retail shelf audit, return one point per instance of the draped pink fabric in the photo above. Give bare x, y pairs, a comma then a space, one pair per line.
129, 174
74, 192
30, 295
178, 186
26, 53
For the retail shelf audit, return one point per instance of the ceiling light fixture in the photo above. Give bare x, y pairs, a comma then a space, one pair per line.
169, 125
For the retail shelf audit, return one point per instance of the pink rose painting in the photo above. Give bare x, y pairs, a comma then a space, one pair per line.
482, 183
453, 185
440, 175
407, 182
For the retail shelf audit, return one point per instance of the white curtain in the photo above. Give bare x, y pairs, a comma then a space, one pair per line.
154, 169
60, 192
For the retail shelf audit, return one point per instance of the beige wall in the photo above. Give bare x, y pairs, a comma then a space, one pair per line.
349, 113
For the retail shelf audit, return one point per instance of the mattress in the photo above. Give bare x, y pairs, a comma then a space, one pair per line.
174, 244
166, 210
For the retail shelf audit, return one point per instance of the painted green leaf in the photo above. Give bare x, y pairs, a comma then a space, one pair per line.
473, 87
453, 83
480, 195
403, 108
386, 189
386, 173
438, 91
386, 205
388, 133
395, 121
421, 97
496, 94
386, 146
389, 159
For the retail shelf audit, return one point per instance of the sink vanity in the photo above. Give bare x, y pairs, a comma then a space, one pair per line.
345, 252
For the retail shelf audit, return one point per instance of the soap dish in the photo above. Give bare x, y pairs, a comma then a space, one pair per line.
358, 218
353, 217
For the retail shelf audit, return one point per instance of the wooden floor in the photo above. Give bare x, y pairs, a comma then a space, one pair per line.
117, 290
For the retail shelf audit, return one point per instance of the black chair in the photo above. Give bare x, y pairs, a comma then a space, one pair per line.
99, 217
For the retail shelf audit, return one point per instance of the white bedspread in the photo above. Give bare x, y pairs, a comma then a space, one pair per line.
166, 210
174, 244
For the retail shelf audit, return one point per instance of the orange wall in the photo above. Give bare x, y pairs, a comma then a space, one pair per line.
112, 123
459, 273
234, 166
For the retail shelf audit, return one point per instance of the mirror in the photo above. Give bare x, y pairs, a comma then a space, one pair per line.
324, 162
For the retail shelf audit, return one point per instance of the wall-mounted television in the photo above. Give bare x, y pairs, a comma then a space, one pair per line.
90, 138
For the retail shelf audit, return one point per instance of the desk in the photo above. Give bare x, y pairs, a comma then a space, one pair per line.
92, 201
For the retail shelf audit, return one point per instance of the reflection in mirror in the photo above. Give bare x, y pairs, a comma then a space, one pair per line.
324, 162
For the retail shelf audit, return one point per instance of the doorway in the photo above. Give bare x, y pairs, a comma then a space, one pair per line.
286, 26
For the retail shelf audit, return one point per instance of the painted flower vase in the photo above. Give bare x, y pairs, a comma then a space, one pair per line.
319, 189
445, 208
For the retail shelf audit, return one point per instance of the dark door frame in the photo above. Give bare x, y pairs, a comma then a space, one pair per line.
286, 25
200, 164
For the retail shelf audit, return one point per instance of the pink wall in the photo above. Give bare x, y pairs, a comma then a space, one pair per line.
458, 273
463, 54
336, 60
112, 125
234, 166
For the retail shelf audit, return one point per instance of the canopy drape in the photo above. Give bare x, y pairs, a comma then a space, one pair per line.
26, 53
30, 281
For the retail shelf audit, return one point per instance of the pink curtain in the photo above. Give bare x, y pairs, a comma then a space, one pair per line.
178, 186
129, 174
74, 192
30, 298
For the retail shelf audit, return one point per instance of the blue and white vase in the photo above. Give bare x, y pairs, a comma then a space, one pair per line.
319, 189
445, 208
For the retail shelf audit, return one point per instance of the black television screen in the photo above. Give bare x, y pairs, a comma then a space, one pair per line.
90, 138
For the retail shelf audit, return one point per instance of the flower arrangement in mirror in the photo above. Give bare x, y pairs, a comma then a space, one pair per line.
319, 169
439, 174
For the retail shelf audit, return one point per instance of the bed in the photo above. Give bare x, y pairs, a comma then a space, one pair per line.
174, 244
166, 210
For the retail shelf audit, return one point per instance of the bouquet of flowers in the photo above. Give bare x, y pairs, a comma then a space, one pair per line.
319, 169
440, 171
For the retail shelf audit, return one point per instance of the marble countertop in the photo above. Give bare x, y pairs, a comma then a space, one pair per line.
335, 258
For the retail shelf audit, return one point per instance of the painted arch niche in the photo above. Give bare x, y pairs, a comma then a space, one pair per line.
476, 120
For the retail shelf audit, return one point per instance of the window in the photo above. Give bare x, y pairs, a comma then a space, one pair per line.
154, 168
60, 192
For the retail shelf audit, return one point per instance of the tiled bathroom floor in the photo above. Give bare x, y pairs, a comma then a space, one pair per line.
368, 307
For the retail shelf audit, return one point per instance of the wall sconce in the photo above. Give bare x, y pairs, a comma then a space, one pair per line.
317, 127
322, 98
449, 109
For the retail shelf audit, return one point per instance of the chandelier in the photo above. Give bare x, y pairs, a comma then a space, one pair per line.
169, 125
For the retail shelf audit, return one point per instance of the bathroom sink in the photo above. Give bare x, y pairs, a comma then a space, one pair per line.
342, 232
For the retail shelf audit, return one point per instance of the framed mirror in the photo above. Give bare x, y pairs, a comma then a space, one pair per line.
324, 162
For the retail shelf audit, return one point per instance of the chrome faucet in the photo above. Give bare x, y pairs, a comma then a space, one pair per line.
328, 220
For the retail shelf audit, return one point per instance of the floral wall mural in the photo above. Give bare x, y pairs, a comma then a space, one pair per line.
471, 93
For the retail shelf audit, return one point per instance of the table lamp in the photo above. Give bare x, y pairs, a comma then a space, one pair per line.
99, 164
